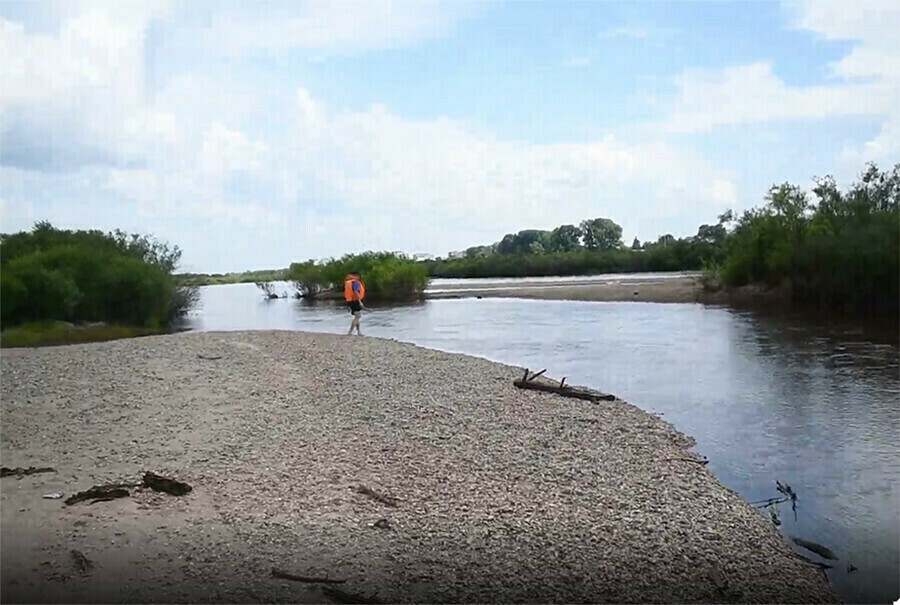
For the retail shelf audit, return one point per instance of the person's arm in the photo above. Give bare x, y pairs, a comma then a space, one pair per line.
356, 293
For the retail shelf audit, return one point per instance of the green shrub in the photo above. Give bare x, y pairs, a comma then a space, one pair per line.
50, 274
387, 276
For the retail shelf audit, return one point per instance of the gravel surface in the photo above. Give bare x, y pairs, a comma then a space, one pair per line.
501, 494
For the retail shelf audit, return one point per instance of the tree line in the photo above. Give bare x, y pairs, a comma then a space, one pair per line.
834, 250
594, 247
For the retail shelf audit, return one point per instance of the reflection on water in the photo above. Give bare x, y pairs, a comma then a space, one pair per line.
765, 399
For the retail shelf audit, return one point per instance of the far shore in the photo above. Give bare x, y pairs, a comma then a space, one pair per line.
668, 289
401, 472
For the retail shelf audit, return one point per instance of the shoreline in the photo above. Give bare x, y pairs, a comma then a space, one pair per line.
661, 290
502, 494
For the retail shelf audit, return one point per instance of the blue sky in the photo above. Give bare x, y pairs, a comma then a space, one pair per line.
256, 134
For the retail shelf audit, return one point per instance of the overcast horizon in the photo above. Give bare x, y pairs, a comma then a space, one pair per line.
253, 135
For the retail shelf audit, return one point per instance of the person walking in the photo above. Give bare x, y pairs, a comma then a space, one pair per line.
354, 293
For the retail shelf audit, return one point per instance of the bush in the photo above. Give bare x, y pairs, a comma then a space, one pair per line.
388, 277
841, 254
50, 274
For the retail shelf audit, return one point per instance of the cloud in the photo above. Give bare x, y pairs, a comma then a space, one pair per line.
220, 166
75, 98
333, 26
752, 93
866, 82
875, 58
383, 164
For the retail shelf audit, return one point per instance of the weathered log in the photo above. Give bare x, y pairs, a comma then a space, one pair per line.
21, 472
281, 574
100, 493
336, 594
820, 550
387, 500
573, 392
164, 484
209, 357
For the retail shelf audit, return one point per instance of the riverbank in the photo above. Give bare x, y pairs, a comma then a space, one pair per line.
663, 289
502, 494
54, 333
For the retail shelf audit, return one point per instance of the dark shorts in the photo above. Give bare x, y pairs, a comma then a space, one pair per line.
354, 306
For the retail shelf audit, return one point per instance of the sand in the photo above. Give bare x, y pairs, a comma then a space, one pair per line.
502, 494
684, 289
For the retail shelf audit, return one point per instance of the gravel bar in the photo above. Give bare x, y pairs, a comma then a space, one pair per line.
488, 493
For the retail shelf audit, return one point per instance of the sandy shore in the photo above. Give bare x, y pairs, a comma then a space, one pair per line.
502, 495
661, 290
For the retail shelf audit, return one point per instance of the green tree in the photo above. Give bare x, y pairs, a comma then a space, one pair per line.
565, 238
601, 234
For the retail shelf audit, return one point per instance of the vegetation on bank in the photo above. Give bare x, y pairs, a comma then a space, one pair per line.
245, 277
53, 275
388, 277
52, 333
836, 252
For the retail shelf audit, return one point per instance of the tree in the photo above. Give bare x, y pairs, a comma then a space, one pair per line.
712, 234
565, 238
601, 234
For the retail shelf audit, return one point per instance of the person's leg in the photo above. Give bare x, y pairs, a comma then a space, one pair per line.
352, 321
357, 316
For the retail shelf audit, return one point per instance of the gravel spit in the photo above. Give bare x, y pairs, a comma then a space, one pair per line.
491, 494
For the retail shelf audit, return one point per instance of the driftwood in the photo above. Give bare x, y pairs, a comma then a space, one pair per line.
820, 550
278, 573
209, 357
101, 493
366, 491
701, 461
164, 484
336, 594
528, 382
21, 472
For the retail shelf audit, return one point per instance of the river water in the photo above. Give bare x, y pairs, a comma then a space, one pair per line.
766, 399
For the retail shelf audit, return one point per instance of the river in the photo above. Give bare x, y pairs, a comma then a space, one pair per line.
766, 399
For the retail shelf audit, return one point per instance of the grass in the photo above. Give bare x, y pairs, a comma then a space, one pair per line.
55, 333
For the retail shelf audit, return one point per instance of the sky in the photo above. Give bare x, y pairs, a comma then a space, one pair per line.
253, 135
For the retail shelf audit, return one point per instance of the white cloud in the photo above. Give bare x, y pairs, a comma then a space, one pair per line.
193, 157
383, 164
752, 93
873, 25
334, 26
866, 82
67, 99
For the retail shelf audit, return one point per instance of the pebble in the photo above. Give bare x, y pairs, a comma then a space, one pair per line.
503, 494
